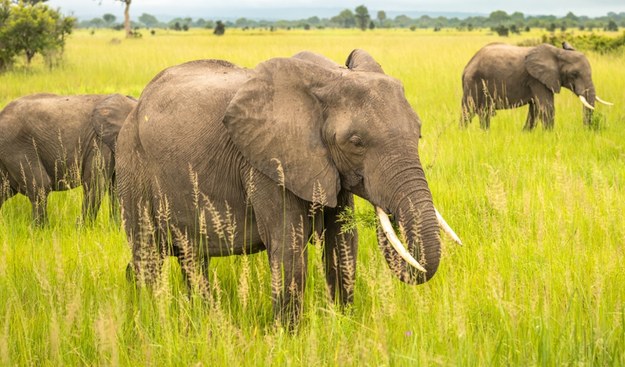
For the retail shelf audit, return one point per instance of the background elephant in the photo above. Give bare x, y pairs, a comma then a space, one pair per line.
223, 160
502, 76
50, 143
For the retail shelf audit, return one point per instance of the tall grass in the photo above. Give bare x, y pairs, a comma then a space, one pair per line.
538, 282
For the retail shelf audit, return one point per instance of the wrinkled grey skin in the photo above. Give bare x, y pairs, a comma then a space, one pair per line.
210, 141
50, 143
502, 76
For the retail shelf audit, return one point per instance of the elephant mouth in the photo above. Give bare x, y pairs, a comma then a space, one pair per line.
398, 246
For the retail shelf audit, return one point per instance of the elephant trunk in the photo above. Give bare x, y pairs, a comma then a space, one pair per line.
588, 100
414, 216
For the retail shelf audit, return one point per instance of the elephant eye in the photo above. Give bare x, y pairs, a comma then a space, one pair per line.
356, 141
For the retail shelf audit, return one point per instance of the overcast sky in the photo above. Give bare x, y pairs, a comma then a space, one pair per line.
288, 9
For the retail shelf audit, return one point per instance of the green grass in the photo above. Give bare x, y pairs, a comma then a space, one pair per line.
538, 282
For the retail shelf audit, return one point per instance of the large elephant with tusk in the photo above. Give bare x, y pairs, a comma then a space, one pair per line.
219, 160
501, 76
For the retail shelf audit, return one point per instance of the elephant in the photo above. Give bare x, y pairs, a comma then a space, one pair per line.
501, 76
220, 160
52, 142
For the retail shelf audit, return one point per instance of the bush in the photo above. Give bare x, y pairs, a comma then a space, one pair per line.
220, 28
501, 30
591, 42
31, 29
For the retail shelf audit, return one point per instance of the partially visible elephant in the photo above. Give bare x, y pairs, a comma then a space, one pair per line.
219, 160
502, 76
50, 143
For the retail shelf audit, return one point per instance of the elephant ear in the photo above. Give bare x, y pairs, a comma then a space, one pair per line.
109, 115
317, 59
275, 121
360, 60
542, 64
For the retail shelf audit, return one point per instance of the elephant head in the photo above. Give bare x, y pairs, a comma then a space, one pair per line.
556, 68
331, 129
109, 115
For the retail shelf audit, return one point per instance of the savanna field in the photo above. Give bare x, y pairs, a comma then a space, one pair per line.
539, 281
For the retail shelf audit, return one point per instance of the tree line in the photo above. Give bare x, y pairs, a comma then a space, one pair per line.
360, 17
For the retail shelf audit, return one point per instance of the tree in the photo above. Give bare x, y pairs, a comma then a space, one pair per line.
7, 50
502, 30
612, 26
127, 27
109, 18
200, 23
345, 19
362, 17
149, 20
28, 29
517, 17
381, 17
31, 29
95, 22
498, 17
220, 28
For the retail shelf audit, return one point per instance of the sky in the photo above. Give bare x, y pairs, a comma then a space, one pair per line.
300, 9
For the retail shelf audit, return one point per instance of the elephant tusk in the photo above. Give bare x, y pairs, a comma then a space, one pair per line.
585, 102
604, 102
446, 228
389, 232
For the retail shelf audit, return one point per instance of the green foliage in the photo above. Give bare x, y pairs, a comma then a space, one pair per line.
31, 29
351, 19
499, 17
501, 30
148, 19
588, 42
362, 17
109, 18
354, 219
220, 28
345, 19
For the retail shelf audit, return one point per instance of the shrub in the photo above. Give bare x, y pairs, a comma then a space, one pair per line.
31, 29
220, 28
587, 42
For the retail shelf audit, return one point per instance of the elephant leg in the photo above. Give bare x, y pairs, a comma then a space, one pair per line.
92, 200
532, 113
114, 207
285, 228
196, 279
93, 183
547, 115
26, 175
543, 99
109, 179
468, 108
485, 118
6, 190
37, 186
39, 202
339, 252
147, 259
194, 266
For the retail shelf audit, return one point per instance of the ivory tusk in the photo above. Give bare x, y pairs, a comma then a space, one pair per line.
604, 102
446, 228
585, 102
389, 232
